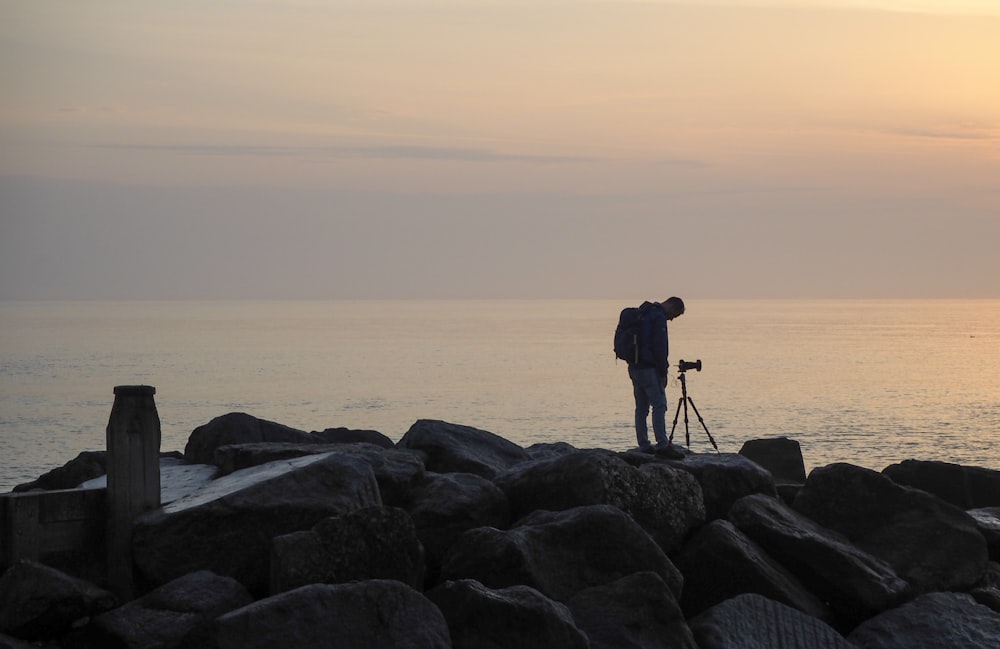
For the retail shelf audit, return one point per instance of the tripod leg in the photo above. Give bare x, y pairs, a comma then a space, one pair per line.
710, 438
687, 431
676, 414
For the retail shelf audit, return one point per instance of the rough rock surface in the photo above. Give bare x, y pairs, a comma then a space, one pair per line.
517, 616
560, 553
966, 487
238, 428
454, 448
752, 621
379, 614
38, 602
665, 501
720, 562
370, 543
178, 614
931, 544
637, 611
988, 521
856, 584
932, 621
780, 455
228, 526
85, 466
449, 504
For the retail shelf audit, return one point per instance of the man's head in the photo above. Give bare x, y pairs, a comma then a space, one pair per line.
673, 307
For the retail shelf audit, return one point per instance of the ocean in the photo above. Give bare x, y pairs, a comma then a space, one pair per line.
870, 382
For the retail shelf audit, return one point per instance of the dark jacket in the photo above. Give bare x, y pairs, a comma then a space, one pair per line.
654, 348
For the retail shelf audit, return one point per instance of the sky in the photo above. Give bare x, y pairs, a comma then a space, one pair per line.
308, 149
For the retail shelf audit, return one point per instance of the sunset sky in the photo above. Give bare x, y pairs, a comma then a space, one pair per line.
512, 148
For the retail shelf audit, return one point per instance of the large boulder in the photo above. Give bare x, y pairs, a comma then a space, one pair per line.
720, 562
779, 455
966, 487
178, 614
85, 466
932, 621
352, 436
227, 527
931, 544
516, 616
560, 553
666, 501
449, 504
370, 543
453, 448
38, 602
724, 478
238, 428
397, 471
856, 584
637, 611
752, 621
377, 614
988, 521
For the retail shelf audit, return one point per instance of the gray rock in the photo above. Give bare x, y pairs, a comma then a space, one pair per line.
720, 562
518, 616
453, 448
560, 553
379, 614
227, 527
178, 614
932, 621
238, 428
10, 642
38, 602
966, 487
988, 521
856, 584
752, 621
665, 501
370, 543
637, 611
779, 455
449, 504
724, 478
352, 436
397, 471
85, 466
931, 544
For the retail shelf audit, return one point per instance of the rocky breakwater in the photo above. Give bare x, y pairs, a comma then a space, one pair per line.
456, 537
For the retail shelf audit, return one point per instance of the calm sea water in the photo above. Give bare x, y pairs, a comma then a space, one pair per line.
862, 381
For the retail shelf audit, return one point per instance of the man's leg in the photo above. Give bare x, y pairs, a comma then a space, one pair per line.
641, 407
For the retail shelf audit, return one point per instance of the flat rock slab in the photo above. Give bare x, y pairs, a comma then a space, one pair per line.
932, 621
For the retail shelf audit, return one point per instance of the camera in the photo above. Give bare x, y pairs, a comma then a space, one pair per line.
684, 366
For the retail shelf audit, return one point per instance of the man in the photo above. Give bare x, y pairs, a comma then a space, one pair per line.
649, 377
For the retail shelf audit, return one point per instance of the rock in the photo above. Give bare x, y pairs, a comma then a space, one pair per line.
637, 611
723, 478
932, 621
379, 614
178, 478
397, 471
559, 553
781, 456
856, 584
988, 521
548, 449
449, 504
238, 428
178, 614
38, 602
516, 616
931, 544
370, 543
665, 501
351, 436
228, 526
453, 448
720, 562
10, 642
752, 621
966, 487
85, 466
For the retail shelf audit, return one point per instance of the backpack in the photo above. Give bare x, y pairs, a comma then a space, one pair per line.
630, 334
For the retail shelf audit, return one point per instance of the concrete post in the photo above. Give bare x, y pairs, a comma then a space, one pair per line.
133, 439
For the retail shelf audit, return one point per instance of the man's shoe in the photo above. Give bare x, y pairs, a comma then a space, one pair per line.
646, 448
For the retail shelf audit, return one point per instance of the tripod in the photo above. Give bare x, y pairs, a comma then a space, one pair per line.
685, 400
